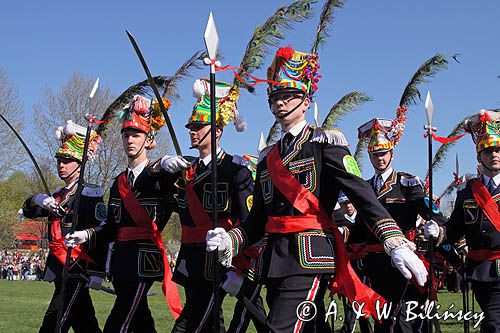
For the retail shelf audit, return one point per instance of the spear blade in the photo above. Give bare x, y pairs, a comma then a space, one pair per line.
94, 89
211, 37
429, 108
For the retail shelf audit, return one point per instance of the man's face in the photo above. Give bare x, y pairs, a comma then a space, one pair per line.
282, 103
200, 135
66, 167
490, 159
381, 160
348, 207
134, 141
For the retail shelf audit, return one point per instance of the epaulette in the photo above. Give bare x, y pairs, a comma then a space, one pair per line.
263, 153
332, 136
91, 190
409, 180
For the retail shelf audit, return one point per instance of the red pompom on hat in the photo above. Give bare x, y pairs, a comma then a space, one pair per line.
285, 52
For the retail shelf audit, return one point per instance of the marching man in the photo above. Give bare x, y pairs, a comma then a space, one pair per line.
139, 208
297, 185
476, 215
87, 262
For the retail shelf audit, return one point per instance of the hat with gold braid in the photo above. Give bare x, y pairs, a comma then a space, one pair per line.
72, 138
485, 129
226, 108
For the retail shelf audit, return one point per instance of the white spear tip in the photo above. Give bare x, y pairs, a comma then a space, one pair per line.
429, 108
211, 37
94, 89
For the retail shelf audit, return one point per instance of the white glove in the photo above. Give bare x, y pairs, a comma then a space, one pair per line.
172, 164
431, 228
233, 283
407, 262
95, 282
217, 238
46, 202
78, 237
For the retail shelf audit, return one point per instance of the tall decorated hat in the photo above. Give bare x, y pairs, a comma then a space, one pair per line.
144, 114
381, 135
72, 137
226, 108
293, 70
485, 129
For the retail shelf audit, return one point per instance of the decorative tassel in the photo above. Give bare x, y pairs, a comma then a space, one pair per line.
240, 123
198, 89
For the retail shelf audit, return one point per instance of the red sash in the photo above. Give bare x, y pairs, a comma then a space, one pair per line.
143, 220
483, 255
486, 202
57, 246
347, 282
199, 216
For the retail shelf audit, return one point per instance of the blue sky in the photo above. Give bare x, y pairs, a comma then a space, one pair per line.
375, 47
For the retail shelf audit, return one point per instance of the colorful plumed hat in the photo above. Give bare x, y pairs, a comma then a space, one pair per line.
381, 135
293, 70
485, 129
72, 138
226, 108
144, 114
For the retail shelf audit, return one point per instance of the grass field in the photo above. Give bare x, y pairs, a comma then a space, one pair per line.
23, 304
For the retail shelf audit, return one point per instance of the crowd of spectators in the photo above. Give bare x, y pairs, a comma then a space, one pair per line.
22, 265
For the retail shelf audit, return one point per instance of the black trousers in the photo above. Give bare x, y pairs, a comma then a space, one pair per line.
241, 316
488, 297
78, 312
197, 314
290, 302
387, 281
130, 312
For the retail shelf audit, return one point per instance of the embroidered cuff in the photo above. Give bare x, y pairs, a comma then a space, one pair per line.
460, 246
385, 229
91, 239
238, 240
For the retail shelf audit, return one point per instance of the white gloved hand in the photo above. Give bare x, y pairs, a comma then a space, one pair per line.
173, 164
233, 283
46, 202
78, 237
431, 229
95, 282
407, 262
217, 238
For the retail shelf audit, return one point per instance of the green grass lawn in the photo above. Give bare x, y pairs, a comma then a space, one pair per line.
23, 304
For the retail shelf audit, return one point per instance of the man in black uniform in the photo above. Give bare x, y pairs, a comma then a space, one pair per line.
403, 196
297, 185
476, 216
87, 262
194, 269
138, 209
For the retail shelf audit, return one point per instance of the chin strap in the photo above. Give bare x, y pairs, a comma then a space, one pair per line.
71, 174
199, 142
292, 110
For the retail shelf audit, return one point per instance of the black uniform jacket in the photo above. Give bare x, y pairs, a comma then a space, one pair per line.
468, 219
92, 212
321, 162
234, 200
403, 196
138, 260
